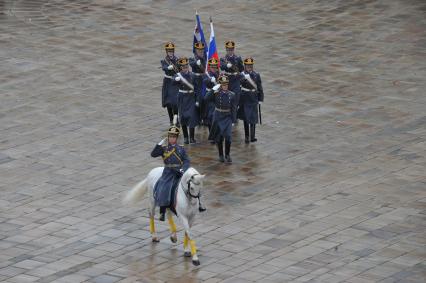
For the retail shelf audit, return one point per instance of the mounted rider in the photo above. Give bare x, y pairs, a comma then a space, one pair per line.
176, 162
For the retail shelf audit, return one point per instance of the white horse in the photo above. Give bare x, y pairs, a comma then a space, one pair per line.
188, 194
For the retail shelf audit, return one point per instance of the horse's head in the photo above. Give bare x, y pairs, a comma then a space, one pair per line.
192, 182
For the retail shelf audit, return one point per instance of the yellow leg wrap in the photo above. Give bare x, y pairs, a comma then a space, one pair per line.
172, 224
185, 241
193, 247
151, 225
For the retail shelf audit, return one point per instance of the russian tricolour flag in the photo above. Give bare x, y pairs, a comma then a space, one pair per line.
199, 34
212, 52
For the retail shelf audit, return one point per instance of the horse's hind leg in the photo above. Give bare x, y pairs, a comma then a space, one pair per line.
173, 236
188, 238
155, 239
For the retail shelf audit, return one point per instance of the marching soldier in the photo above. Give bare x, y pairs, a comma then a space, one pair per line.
176, 162
251, 97
198, 66
232, 65
210, 81
169, 92
188, 101
224, 116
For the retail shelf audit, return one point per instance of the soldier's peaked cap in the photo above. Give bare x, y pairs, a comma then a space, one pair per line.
213, 61
229, 44
169, 46
249, 61
183, 61
223, 79
199, 45
173, 130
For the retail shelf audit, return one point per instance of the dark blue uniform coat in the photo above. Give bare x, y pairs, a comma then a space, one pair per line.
209, 105
169, 92
249, 99
224, 114
188, 111
233, 73
175, 158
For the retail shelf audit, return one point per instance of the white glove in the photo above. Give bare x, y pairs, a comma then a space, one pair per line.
197, 104
229, 65
216, 87
233, 124
198, 62
170, 67
162, 141
247, 76
213, 79
260, 102
177, 79
181, 171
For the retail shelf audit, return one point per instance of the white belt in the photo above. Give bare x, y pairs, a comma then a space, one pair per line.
169, 77
236, 73
247, 89
222, 110
198, 74
186, 91
208, 89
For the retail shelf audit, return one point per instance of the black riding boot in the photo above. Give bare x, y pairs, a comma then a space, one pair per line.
220, 149
162, 213
228, 151
185, 134
253, 133
170, 112
246, 132
191, 135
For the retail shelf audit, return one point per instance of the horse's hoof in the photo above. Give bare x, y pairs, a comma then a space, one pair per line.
155, 240
173, 239
196, 262
187, 254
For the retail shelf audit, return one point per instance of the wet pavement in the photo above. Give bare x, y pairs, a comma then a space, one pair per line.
333, 191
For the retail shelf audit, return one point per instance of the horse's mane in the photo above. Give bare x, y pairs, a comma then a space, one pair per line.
190, 172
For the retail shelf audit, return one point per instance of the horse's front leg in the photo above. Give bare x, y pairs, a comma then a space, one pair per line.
172, 225
155, 239
188, 239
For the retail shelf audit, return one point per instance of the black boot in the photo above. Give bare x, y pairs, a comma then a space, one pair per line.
220, 149
162, 213
228, 152
170, 112
246, 132
253, 133
185, 134
191, 135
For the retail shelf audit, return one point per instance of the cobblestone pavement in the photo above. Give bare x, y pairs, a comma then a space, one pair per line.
334, 191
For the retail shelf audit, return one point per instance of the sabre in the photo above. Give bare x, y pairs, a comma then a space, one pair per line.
260, 114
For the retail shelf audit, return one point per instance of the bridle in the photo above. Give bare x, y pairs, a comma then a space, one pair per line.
188, 191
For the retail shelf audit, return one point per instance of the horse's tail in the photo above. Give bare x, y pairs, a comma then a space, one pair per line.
136, 193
